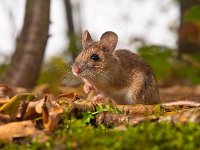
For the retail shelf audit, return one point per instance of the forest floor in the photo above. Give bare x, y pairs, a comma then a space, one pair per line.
63, 117
68, 122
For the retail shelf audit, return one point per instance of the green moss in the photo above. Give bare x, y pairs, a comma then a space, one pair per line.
148, 136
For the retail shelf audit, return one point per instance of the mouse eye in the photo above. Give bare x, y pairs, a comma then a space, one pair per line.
95, 57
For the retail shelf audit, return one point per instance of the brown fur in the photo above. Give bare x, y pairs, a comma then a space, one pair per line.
121, 74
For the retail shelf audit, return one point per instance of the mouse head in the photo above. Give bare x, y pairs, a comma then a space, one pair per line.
96, 57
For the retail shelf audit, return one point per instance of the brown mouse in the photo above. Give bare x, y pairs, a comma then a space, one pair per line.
118, 74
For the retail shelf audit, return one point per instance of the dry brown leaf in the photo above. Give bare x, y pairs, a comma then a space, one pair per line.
65, 100
16, 130
6, 91
4, 100
46, 109
16, 107
34, 110
50, 114
7, 118
72, 96
39, 105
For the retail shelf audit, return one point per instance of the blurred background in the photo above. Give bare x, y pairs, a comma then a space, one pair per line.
135, 21
40, 38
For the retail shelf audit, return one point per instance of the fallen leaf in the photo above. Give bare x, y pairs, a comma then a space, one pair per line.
12, 106
4, 100
16, 130
50, 114
6, 91
72, 96
39, 105
31, 112
7, 118
64, 100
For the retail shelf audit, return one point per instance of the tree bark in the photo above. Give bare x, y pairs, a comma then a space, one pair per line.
189, 32
27, 59
72, 48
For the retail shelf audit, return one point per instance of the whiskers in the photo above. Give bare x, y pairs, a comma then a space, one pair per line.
95, 75
105, 77
58, 73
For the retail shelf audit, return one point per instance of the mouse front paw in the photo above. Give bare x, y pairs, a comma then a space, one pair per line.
98, 98
87, 88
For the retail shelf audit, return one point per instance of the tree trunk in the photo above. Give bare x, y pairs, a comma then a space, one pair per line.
189, 32
27, 59
72, 48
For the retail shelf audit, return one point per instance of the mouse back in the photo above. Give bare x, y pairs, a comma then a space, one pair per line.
140, 77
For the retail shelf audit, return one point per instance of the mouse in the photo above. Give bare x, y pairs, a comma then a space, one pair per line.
120, 74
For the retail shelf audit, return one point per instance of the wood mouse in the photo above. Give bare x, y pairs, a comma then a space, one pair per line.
118, 74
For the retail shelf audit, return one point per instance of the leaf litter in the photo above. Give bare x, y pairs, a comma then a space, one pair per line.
26, 115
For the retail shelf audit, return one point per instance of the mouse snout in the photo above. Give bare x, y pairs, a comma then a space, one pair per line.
76, 69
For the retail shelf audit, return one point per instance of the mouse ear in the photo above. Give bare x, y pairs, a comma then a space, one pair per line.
109, 41
86, 38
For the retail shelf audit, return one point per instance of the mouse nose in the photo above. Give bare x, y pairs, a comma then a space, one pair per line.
76, 69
